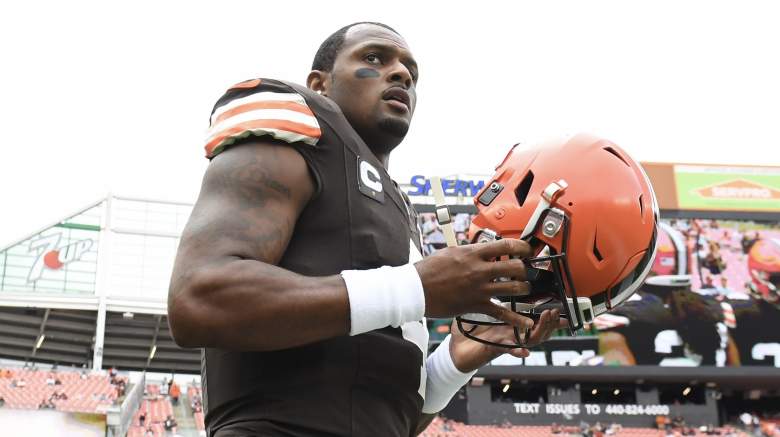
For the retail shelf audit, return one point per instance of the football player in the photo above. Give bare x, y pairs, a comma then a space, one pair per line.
299, 271
756, 319
667, 324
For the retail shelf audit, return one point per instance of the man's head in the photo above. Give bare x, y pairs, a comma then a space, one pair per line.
368, 70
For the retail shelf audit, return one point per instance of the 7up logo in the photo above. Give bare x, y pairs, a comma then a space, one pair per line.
52, 257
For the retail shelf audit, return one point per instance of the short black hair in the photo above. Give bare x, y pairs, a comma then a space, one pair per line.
330, 48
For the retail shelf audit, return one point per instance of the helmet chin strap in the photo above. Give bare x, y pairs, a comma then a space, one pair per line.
443, 215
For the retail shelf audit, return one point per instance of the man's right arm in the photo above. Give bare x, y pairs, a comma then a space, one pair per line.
226, 290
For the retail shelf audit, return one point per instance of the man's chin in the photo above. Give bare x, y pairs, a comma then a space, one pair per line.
395, 126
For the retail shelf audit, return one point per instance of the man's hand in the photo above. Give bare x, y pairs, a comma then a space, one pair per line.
469, 355
459, 280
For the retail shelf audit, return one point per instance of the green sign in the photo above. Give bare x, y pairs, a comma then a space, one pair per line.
728, 188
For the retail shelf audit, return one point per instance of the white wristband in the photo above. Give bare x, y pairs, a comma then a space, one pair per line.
387, 296
444, 379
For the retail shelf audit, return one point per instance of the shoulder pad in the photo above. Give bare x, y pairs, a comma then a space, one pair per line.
261, 107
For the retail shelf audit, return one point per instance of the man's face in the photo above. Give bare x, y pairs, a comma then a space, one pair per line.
373, 82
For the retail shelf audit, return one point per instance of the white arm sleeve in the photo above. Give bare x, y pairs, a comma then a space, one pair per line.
444, 379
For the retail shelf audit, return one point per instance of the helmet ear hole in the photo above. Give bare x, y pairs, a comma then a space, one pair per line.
521, 192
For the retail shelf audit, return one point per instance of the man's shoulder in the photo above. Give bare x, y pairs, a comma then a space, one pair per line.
263, 107
262, 85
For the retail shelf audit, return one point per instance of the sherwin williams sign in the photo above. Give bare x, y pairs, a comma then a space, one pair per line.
727, 188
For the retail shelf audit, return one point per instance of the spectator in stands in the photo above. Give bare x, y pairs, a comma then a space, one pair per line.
149, 432
585, 429
2, 401
142, 418
121, 387
83, 374
174, 392
50, 379
714, 260
197, 404
755, 421
169, 423
46, 404
112, 373
555, 428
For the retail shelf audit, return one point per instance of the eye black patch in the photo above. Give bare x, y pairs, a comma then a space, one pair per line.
364, 73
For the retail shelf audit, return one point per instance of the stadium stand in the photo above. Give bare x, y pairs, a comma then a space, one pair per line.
69, 391
154, 410
195, 397
450, 428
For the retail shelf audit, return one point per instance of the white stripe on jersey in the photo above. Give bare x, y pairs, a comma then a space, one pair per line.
262, 114
264, 96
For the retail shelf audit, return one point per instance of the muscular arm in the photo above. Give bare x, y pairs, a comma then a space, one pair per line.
225, 290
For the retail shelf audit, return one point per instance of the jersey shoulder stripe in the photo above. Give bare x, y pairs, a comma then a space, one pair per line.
261, 107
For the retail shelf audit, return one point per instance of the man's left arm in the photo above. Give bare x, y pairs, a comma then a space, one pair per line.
456, 360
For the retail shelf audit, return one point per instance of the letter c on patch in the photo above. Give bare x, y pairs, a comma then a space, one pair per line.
370, 176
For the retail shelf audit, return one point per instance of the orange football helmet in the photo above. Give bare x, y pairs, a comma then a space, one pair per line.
764, 266
589, 212
672, 255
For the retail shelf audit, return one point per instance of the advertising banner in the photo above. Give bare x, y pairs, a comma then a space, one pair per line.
701, 187
61, 259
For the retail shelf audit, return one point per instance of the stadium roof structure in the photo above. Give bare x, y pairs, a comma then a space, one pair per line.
91, 288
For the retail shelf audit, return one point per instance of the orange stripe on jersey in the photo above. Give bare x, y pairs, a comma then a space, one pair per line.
285, 125
251, 83
271, 104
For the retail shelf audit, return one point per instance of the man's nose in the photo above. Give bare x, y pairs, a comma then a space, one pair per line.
401, 74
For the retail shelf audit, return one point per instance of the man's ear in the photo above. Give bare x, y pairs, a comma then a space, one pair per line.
319, 81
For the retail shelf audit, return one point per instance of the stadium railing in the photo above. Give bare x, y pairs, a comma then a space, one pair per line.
119, 418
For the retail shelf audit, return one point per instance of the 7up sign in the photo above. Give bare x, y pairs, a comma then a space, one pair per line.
53, 256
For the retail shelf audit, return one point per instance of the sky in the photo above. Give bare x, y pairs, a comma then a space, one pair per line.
114, 97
